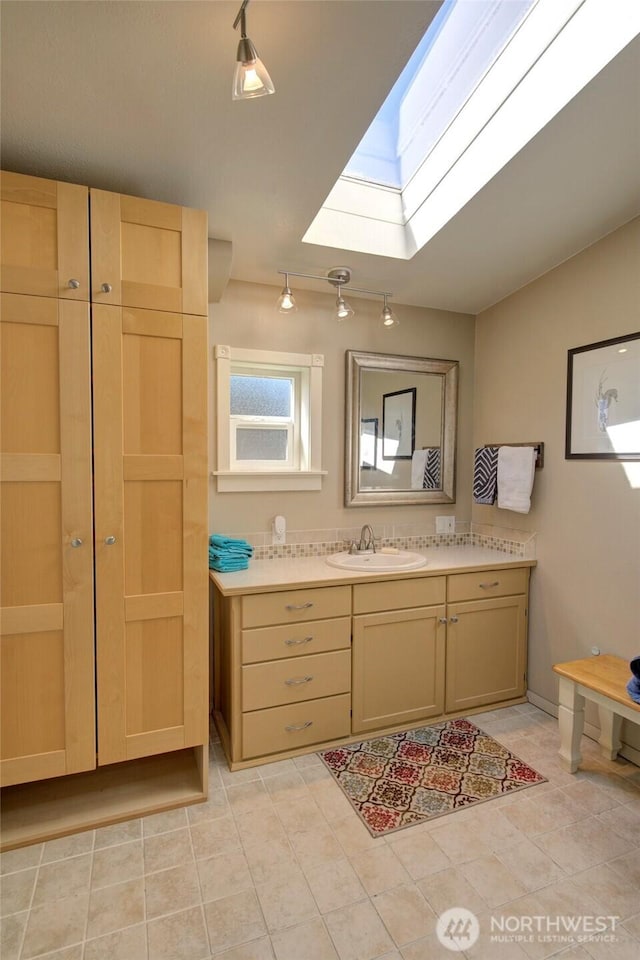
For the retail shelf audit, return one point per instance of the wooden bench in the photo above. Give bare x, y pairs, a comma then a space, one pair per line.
603, 680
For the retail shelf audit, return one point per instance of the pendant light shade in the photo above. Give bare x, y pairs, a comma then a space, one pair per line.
251, 77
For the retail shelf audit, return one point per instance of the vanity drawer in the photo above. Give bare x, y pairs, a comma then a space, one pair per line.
487, 583
275, 643
398, 594
296, 725
295, 606
289, 681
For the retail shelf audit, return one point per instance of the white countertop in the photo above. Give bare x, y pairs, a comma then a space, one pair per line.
267, 575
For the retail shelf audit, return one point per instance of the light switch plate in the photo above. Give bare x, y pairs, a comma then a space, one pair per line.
445, 524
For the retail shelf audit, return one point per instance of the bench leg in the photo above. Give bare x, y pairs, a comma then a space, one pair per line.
570, 724
610, 724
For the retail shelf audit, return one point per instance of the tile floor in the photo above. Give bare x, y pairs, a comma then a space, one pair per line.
277, 866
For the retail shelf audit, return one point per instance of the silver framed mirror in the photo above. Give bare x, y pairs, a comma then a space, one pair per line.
400, 437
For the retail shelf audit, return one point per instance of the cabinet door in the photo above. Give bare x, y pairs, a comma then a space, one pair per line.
398, 667
46, 563
44, 237
150, 462
148, 254
486, 652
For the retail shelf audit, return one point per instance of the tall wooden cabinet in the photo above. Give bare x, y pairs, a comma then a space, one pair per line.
46, 559
104, 484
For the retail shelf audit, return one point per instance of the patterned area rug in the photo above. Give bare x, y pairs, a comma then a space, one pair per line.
405, 778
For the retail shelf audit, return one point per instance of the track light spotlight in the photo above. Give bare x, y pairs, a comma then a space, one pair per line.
286, 302
251, 78
343, 310
387, 317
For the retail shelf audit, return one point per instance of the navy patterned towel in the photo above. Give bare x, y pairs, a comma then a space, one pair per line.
485, 475
431, 480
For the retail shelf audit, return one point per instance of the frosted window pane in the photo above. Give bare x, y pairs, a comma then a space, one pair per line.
256, 444
260, 396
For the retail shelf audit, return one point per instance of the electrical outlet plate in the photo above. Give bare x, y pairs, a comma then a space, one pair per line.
279, 530
445, 524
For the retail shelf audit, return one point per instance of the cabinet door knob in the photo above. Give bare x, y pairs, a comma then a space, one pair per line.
76, 542
453, 620
297, 680
300, 606
106, 287
301, 726
74, 284
109, 541
442, 620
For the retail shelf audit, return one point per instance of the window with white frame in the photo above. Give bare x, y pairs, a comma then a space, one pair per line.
269, 420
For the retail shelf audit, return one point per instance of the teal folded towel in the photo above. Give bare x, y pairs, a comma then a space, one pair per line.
220, 542
228, 554
232, 554
228, 566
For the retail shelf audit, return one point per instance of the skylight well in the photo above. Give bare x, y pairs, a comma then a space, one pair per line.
485, 78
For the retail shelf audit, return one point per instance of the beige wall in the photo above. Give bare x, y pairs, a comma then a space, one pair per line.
247, 317
586, 587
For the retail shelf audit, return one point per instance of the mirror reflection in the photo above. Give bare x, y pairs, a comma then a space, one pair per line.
401, 416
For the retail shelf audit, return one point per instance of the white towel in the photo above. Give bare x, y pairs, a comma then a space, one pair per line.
418, 464
516, 470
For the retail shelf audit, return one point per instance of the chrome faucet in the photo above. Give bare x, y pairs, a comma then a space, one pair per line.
367, 540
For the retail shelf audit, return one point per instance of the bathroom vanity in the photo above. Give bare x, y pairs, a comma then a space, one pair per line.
307, 655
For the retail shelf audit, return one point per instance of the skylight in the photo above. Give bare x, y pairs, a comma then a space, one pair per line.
486, 77
457, 50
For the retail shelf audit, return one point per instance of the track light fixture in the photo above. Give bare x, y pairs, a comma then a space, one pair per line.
251, 78
339, 277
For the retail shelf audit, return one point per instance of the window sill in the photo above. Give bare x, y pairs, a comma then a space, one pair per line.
256, 481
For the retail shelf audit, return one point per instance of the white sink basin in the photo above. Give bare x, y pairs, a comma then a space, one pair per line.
378, 562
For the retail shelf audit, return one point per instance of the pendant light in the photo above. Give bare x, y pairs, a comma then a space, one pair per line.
286, 302
251, 78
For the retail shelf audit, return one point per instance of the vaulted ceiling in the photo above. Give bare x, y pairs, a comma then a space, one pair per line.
136, 97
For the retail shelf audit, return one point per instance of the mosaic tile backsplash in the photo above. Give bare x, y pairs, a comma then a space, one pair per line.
520, 545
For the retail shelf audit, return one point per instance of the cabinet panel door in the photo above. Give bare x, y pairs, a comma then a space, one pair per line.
148, 254
44, 237
151, 531
398, 667
486, 652
46, 584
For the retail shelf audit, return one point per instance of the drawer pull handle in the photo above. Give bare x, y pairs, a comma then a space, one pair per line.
297, 680
300, 606
301, 726
293, 643
487, 586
